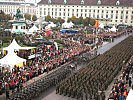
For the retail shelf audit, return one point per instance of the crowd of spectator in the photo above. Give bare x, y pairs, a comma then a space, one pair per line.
49, 58
122, 85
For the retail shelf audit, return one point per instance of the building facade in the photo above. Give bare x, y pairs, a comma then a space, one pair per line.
109, 11
11, 6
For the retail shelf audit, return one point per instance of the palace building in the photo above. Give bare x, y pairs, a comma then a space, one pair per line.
11, 6
112, 12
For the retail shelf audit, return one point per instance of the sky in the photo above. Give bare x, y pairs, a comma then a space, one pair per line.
33, 0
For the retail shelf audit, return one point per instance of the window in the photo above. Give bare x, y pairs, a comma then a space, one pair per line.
121, 12
85, 15
97, 16
16, 27
126, 12
85, 10
126, 17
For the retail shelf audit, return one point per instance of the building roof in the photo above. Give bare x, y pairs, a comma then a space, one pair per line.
15, 3
90, 2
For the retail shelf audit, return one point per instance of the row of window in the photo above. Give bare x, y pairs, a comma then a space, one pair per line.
86, 15
121, 7
14, 10
22, 27
81, 10
103, 15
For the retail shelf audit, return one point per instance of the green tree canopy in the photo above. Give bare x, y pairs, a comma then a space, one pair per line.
48, 18
27, 16
92, 22
60, 20
4, 17
34, 18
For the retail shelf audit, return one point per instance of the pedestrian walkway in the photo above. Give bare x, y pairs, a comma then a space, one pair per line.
107, 46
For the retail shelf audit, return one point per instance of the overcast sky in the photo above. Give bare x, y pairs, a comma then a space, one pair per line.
33, 0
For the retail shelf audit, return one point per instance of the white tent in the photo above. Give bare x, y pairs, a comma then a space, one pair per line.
101, 25
71, 23
33, 29
113, 29
44, 22
13, 45
11, 59
66, 25
130, 95
51, 25
37, 21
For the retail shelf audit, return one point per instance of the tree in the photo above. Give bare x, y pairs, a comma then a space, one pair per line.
69, 19
27, 16
34, 18
86, 21
48, 18
92, 22
5, 17
80, 19
1, 12
60, 20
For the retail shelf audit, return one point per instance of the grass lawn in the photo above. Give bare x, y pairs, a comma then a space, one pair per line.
5, 45
60, 46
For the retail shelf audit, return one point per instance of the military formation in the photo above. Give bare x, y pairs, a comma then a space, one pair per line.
41, 85
91, 82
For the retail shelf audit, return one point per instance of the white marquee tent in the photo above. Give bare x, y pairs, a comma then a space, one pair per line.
51, 25
66, 25
130, 95
11, 59
33, 29
71, 24
14, 46
101, 25
113, 29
